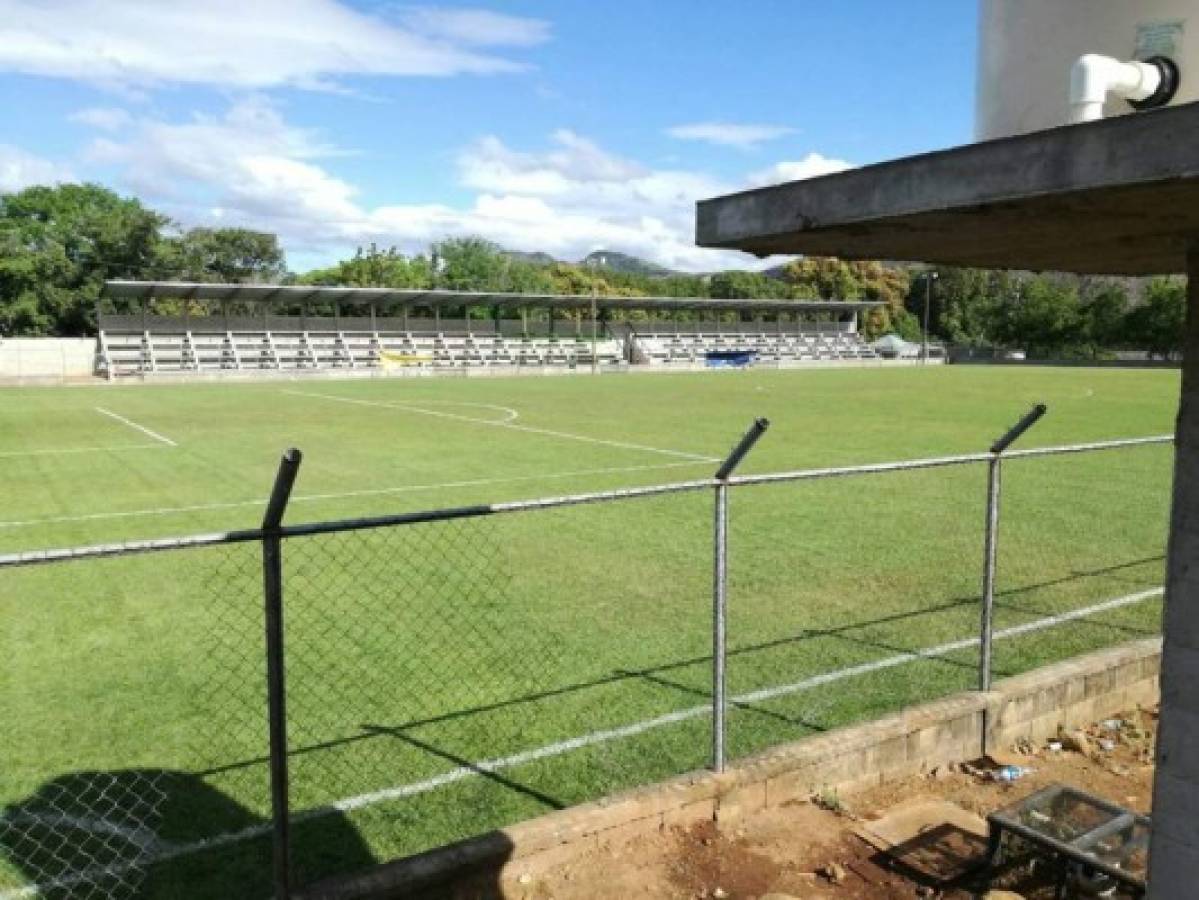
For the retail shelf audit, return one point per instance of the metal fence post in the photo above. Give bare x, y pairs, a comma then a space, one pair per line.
719, 623
989, 553
991, 540
720, 586
276, 684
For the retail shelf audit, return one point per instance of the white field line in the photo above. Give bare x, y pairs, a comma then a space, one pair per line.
529, 429
342, 495
510, 415
694, 712
142, 838
142, 428
497, 764
57, 451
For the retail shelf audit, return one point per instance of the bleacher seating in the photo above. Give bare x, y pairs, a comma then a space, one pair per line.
692, 348
144, 352
175, 349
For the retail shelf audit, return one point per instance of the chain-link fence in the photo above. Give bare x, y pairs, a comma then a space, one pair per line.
135, 750
236, 714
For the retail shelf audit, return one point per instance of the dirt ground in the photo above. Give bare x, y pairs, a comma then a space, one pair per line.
811, 849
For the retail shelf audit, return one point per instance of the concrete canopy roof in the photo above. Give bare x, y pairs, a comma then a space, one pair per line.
1118, 196
285, 294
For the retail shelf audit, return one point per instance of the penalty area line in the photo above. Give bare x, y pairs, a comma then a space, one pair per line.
559, 748
136, 427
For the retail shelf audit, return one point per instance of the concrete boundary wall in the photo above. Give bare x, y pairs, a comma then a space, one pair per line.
960, 727
347, 374
47, 360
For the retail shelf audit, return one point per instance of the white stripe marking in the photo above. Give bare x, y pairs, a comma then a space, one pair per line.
559, 748
601, 737
510, 415
142, 428
12, 454
366, 492
624, 445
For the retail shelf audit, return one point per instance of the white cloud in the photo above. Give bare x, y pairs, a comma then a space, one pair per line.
262, 43
478, 27
252, 168
729, 134
21, 169
810, 166
250, 161
490, 166
106, 118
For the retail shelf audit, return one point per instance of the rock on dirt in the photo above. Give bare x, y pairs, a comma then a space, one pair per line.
1077, 741
1002, 895
834, 872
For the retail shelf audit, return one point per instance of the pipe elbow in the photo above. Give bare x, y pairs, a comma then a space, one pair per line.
1094, 77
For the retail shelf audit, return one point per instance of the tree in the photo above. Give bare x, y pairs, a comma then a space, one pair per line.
467, 264
1159, 322
372, 267
1104, 308
1044, 317
739, 285
224, 255
57, 247
828, 278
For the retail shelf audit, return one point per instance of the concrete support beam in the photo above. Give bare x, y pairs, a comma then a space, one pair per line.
1174, 859
1119, 196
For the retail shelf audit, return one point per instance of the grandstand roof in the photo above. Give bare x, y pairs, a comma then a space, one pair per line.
281, 294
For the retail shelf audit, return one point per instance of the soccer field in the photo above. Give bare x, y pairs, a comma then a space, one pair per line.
448, 678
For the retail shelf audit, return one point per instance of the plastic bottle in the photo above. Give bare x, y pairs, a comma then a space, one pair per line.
1010, 773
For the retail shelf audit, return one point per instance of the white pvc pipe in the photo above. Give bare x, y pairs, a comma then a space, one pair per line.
1095, 76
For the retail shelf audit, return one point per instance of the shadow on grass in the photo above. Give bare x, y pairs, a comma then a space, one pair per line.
154, 833
658, 674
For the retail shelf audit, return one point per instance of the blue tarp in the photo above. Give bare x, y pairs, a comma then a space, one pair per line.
730, 358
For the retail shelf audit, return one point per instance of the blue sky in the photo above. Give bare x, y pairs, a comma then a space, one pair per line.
560, 126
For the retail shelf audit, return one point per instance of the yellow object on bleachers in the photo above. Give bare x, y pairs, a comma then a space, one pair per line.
388, 359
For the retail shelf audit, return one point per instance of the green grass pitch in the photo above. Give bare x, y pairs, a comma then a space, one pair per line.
570, 648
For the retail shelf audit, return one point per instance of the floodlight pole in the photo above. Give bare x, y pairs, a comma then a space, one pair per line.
594, 335
276, 683
992, 538
720, 586
929, 278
